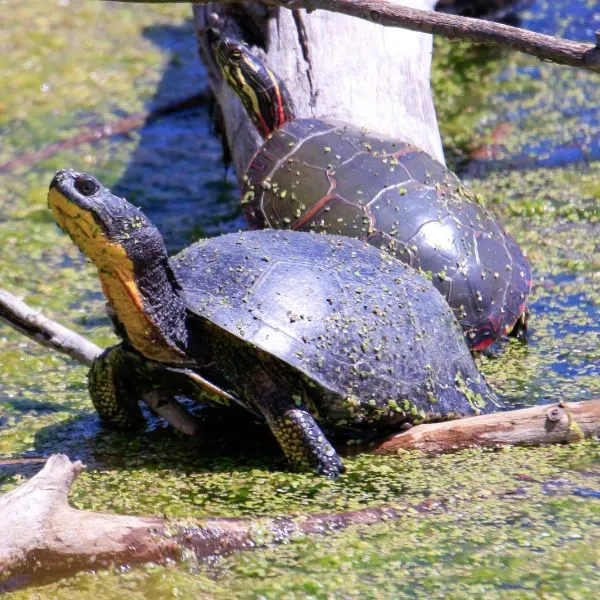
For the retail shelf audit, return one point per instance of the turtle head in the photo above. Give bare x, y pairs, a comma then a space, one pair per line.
263, 94
131, 259
106, 228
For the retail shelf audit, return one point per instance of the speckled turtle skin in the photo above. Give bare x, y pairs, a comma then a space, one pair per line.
313, 175
314, 333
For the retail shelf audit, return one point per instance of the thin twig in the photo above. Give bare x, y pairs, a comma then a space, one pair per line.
391, 14
48, 333
124, 125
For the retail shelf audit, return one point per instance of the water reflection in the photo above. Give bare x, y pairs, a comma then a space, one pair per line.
175, 173
553, 118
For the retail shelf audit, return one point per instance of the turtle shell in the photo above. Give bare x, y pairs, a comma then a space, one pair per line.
369, 339
313, 175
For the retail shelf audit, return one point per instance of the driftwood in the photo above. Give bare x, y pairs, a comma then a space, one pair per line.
45, 538
539, 425
95, 134
545, 424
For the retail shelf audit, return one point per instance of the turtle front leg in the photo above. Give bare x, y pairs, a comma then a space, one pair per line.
301, 439
111, 388
119, 378
519, 329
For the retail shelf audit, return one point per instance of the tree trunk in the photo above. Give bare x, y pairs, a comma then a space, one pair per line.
335, 66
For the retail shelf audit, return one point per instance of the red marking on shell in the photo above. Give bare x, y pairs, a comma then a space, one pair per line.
319, 204
485, 343
405, 151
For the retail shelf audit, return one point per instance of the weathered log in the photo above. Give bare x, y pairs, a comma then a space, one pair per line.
539, 425
44, 538
43, 535
545, 424
335, 66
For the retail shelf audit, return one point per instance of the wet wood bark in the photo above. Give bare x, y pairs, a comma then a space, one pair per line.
335, 66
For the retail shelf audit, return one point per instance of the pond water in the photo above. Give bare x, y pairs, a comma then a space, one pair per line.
520, 523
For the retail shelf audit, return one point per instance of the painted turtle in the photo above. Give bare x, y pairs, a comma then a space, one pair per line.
325, 176
305, 330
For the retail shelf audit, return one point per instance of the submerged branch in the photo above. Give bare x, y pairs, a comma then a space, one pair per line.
124, 125
391, 14
43, 538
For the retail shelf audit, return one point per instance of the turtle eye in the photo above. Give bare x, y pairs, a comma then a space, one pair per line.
86, 185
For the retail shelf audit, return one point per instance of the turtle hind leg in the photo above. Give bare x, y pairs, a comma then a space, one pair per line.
301, 439
519, 330
111, 390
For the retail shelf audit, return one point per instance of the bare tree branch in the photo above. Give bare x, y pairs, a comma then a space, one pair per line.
48, 333
44, 331
391, 14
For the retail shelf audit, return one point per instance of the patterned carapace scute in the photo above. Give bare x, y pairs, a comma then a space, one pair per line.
368, 339
313, 175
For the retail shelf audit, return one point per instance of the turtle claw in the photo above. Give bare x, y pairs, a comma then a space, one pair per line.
332, 468
299, 435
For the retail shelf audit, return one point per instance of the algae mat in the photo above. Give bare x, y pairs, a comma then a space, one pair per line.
511, 524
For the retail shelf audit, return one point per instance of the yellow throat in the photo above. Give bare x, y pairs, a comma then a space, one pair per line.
117, 276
